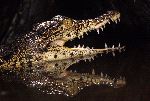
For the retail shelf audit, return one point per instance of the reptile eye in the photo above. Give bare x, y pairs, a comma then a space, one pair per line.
68, 23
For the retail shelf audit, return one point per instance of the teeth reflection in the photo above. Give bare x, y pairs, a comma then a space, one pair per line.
93, 71
113, 53
71, 82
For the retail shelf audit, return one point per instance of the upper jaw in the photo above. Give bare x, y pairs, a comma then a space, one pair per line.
101, 21
85, 26
106, 18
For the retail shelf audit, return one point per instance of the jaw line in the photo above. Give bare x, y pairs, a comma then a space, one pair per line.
112, 16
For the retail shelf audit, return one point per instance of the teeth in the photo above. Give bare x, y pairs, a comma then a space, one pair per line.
116, 21
119, 48
83, 46
93, 71
113, 46
102, 28
106, 76
86, 33
89, 60
106, 48
92, 58
113, 53
102, 74
79, 46
87, 48
119, 45
106, 45
97, 31
82, 36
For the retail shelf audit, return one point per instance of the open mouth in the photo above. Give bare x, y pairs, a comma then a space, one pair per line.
80, 28
58, 60
98, 24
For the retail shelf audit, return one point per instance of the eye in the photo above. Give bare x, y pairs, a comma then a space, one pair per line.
68, 23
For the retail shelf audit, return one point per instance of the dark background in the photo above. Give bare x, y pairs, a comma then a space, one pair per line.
18, 16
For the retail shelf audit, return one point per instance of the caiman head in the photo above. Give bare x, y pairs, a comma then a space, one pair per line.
62, 29
43, 50
53, 76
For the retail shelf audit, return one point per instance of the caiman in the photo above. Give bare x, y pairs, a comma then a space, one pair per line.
43, 60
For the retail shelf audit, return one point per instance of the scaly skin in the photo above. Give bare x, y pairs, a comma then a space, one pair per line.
42, 52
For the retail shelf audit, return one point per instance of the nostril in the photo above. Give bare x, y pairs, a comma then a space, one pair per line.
55, 56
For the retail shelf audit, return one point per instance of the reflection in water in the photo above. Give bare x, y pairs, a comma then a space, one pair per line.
41, 59
53, 78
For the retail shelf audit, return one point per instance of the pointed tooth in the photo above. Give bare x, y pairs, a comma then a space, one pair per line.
92, 58
102, 74
116, 21
113, 79
113, 46
93, 71
112, 20
113, 53
102, 28
97, 30
108, 22
101, 54
106, 45
119, 45
79, 46
75, 71
82, 36
89, 60
106, 76
87, 48
83, 46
